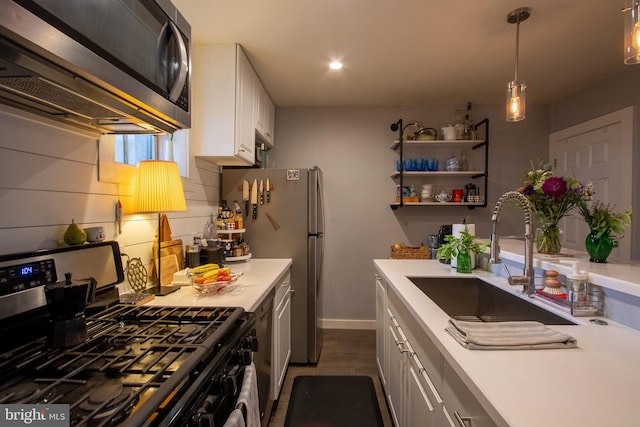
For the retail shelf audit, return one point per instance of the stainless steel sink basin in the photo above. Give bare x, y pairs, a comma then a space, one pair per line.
475, 300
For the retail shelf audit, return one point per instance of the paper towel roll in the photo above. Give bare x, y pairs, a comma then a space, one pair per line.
457, 229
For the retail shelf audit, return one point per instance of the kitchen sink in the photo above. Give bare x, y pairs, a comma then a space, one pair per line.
475, 300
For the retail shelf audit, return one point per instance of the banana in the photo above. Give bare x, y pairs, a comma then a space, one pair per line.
211, 273
203, 268
215, 272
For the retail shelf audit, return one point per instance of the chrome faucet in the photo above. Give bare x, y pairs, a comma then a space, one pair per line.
527, 279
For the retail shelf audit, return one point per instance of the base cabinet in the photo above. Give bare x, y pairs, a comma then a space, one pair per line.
421, 387
281, 334
382, 346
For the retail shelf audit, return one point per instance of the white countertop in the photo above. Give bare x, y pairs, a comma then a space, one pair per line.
620, 276
259, 276
596, 384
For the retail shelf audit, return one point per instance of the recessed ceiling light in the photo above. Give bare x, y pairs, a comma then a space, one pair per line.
335, 65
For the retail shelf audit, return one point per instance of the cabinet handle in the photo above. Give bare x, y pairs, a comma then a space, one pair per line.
402, 348
377, 276
462, 421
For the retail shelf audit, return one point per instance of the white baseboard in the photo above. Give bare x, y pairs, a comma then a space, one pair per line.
347, 324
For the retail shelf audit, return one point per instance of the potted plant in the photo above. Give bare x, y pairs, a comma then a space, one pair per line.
606, 228
462, 248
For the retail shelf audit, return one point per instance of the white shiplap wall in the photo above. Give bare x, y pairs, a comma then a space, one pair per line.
49, 176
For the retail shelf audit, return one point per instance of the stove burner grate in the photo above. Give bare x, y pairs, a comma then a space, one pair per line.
107, 400
24, 392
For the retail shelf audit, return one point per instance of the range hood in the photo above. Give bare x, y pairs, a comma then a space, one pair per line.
51, 71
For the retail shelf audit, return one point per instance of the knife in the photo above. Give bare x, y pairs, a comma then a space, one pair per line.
245, 196
254, 199
261, 192
268, 191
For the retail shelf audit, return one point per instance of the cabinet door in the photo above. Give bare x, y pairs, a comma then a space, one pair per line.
245, 142
281, 336
424, 405
282, 344
265, 114
462, 407
382, 345
397, 372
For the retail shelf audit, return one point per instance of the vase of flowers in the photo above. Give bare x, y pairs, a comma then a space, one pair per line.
606, 228
551, 197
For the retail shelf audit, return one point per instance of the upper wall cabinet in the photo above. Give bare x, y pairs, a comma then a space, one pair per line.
265, 115
224, 98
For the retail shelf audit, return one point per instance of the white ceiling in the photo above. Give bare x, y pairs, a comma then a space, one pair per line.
414, 52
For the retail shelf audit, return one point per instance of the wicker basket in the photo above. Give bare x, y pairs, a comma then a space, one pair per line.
409, 252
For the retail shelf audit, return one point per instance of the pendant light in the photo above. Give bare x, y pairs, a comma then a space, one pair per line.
631, 11
516, 88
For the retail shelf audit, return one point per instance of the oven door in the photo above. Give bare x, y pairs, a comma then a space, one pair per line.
220, 387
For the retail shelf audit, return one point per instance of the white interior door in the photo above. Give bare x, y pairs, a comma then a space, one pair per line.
600, 152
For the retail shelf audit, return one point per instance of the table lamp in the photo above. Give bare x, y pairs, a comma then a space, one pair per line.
158, 190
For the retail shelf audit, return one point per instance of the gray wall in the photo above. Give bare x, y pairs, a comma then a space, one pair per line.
352, 147
610, 94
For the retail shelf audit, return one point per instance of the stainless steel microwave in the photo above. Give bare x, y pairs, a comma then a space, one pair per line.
117, 66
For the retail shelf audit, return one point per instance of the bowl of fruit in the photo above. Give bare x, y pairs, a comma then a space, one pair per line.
211, 279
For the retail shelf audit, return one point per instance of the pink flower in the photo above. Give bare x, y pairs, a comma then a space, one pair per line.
555, 187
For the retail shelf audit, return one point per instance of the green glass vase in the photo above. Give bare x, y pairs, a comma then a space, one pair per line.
598, 248
548, 239
463, 263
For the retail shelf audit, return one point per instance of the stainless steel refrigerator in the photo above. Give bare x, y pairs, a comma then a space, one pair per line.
289, 223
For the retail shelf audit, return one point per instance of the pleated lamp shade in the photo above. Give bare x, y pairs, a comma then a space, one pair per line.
158, 187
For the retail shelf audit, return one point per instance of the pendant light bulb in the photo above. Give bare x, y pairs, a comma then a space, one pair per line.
516, 91
631, 15
516, 88
635, 37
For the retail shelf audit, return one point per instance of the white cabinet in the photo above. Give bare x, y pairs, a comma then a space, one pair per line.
421, 387
410, 391
223, 92
382, 344
462, 408
281, 350
265, 115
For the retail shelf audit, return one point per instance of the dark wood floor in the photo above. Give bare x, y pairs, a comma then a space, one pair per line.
344, 352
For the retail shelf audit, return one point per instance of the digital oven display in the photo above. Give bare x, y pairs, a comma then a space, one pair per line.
20, 277
26, 270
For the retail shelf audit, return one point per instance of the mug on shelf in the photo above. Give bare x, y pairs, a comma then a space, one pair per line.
456, 195
449, 133
95, 234
443, 197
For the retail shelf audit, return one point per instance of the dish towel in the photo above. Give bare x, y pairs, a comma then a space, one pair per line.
508, 335
249, 396
236, 419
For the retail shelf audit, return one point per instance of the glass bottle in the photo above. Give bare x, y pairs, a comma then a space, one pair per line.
220, 220
464, 161
238, 216
469, 125
458, 124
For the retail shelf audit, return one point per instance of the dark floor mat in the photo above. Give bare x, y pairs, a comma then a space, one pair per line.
333, 401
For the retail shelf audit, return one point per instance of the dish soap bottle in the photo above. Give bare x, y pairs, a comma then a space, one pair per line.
577, 285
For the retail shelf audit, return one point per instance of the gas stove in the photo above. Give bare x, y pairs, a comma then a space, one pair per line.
156, 366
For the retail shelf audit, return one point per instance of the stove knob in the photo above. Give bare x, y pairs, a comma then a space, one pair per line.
251, 343
229, 385
246, 356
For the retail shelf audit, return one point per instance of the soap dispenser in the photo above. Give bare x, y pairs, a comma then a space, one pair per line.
577, 285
